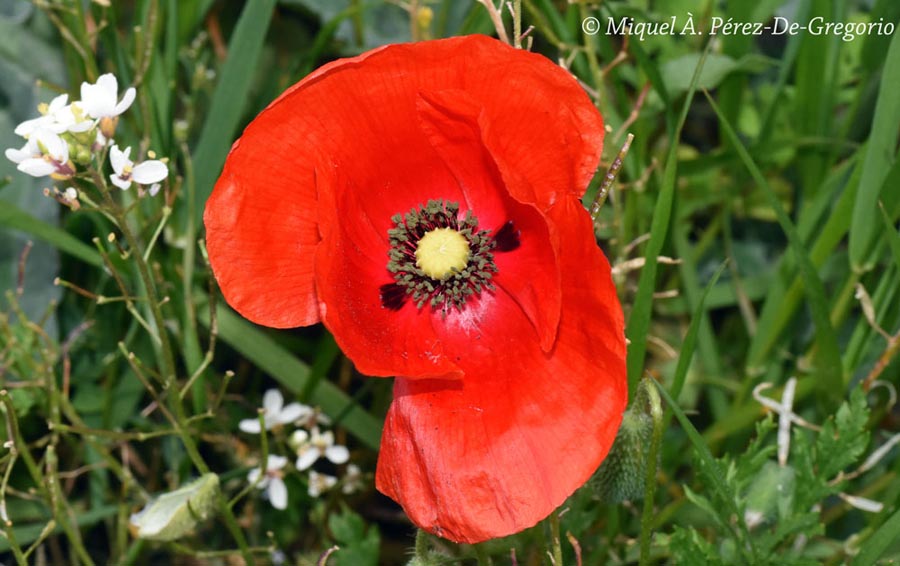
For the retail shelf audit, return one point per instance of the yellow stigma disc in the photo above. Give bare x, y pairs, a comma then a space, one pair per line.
441, 252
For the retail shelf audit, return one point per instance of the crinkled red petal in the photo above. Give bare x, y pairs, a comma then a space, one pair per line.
262, 221
261, 230
496, 451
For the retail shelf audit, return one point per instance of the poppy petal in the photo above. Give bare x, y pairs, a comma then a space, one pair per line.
351, 265
357, 113
529, 273
261, 229
496, 451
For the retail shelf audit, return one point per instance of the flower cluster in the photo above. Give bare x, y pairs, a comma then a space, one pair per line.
67, 136
308, 442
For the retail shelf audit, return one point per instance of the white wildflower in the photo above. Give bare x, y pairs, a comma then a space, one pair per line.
276, 413
353, 480
317, 445
45, 153
272, 483
126, 172
99, 100
320, 483
57, 117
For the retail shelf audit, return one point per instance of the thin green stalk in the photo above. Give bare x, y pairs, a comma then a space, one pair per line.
60, 508
169, 371
555, 541
517, 23
647, 516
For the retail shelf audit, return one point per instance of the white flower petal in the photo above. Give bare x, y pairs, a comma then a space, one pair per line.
278, 495
55, 146
126, 102
275, 462
80, 127
154, 188
337, 454
28, 151
253, 475
119, 159
293, 412
28, 127
299, 437
250, 426
37, 167
307, 457
57, 104
99, 100
149, 172
120, 182
272, 402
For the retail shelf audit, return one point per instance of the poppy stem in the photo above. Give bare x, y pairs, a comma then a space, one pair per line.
610, 178
421, 548
656, 414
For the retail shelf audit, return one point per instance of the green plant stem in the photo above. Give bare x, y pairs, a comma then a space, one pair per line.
421, 548
169, 371
647, 517
60, 508
555, 540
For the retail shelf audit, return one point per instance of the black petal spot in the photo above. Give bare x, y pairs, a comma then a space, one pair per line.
393, 296
507, 238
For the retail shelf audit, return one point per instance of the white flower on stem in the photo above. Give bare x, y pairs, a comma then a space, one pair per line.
320, 483
99, 100
312, 447
353, 480
45, 153
126, 172
276, 413
272, 483
57, 117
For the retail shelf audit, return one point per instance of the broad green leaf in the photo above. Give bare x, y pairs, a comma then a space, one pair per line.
175, 514
676, 74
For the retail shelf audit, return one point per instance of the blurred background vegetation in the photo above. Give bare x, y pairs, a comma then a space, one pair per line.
752, 230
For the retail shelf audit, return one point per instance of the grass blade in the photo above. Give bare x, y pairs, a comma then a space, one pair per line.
227, 105
828, 353
890, 233
878, 543
690, 339
17, 219
882, 145
639, 321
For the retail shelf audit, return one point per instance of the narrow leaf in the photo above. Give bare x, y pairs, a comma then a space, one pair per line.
639, 322
17, 219
228, 100
882, 145
828, 353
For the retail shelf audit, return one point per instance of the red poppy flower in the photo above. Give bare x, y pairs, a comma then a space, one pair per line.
422, 201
